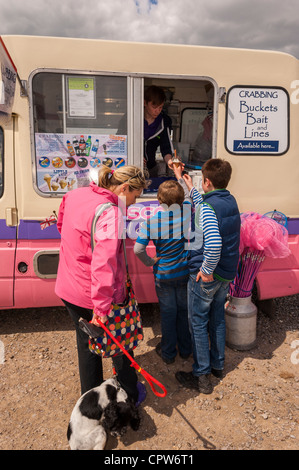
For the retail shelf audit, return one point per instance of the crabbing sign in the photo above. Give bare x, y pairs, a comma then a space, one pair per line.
257, 120
8, 77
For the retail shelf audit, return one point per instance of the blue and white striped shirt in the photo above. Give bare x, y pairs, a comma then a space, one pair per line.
169, 232
208, 223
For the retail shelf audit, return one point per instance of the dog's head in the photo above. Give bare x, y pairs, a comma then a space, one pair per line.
119, 415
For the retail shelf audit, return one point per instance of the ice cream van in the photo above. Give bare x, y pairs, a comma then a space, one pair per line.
61, 103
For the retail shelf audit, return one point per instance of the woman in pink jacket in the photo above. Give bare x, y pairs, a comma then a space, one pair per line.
89, 281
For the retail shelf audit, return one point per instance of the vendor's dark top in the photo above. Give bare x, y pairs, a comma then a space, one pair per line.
157, 135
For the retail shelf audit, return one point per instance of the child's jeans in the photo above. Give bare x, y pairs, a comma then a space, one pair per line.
172, 297
206, 301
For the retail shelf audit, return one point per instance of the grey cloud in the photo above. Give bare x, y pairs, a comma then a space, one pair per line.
267, 24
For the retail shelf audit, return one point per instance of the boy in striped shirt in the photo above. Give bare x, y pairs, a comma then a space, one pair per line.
212, 267
168, 230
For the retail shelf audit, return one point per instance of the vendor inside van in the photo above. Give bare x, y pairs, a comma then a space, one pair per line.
157, 131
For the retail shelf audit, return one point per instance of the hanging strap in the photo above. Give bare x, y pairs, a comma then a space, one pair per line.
98, 213
149, 378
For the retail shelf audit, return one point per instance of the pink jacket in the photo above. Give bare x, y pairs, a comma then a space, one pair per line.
90, 279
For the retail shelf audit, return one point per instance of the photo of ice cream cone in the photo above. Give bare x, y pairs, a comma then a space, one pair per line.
71, 184
54, 186
48, 178
63, 183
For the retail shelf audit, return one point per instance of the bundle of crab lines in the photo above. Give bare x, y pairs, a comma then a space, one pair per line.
261, 236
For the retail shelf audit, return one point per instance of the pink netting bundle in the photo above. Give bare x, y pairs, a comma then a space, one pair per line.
248, 220
263, 234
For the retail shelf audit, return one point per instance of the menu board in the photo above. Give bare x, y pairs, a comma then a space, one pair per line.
67, 161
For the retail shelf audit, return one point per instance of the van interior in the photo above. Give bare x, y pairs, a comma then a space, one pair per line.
189, 104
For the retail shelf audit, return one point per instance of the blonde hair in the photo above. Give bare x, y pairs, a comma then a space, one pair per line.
170, 192
136, 178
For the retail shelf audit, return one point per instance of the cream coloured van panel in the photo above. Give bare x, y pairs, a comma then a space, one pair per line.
260, 183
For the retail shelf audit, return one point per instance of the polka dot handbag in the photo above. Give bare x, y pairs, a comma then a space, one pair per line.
124, 324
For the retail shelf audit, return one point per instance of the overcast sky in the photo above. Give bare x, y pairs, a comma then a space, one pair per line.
257, 24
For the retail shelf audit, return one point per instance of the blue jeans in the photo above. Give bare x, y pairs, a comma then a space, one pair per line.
172, 297
206, 301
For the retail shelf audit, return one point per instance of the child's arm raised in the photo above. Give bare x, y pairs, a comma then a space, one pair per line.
208, 223
188, 181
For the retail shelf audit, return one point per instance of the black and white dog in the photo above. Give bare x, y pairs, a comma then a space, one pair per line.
103, 409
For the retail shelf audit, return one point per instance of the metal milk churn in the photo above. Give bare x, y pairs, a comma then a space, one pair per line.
240, 318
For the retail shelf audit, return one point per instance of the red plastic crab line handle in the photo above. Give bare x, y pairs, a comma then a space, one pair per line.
149, 378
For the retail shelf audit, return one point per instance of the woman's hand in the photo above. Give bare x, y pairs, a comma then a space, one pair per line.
95, 320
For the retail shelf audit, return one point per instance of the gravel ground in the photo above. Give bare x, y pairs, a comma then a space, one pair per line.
255, 406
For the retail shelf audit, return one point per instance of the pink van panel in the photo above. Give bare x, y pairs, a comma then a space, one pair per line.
142, 277
7, 253
33, 292
280, 277
277, 278
36, 293
30, 290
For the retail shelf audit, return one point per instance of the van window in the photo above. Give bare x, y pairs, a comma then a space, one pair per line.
189, 115
1, 161
75, 128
